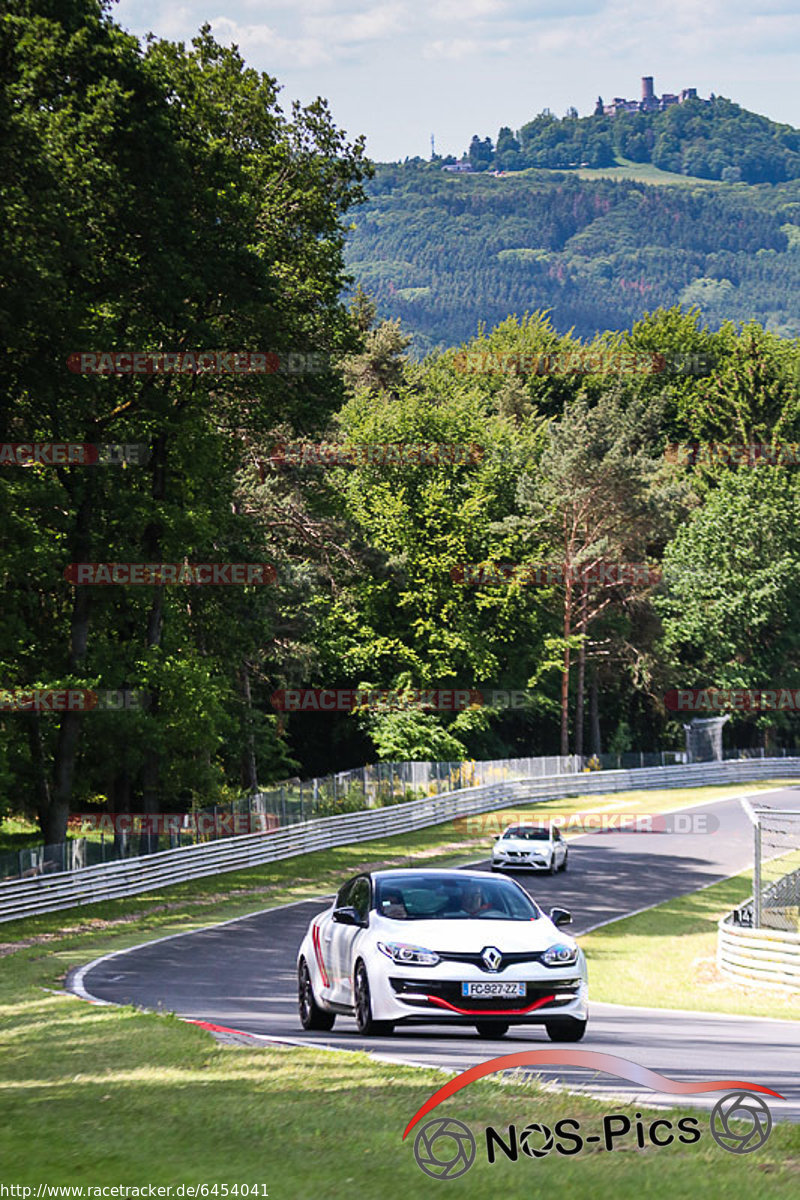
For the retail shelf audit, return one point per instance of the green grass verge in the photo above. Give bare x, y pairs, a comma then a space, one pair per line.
17, 833
105, 1096
666, 958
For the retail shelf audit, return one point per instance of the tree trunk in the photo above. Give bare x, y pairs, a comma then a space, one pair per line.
120, 803
565, 672
41, 782
151, 768
249, 770
581, 673
54, 825
594, 715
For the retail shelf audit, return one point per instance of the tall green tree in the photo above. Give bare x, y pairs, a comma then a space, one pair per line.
157, 198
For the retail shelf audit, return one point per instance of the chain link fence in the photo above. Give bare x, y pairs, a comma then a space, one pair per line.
378, 785
775, 903
777, 870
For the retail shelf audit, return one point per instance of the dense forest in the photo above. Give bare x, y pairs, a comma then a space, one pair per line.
714, 139
445, 253
233, 240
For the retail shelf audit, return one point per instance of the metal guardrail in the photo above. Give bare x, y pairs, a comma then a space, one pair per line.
376, 785
767, 957
129, 877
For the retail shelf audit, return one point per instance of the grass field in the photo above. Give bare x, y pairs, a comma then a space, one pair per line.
624, 168
666, 958
646, 173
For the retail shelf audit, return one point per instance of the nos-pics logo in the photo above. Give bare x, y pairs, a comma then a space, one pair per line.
446, 1148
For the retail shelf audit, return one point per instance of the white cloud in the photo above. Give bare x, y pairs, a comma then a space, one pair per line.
466, 10
460, 48
367, 26
254, 39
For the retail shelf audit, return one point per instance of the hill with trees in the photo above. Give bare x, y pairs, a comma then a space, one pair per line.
710, 139
445, 251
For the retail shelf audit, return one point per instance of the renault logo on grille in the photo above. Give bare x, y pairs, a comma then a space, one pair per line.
492, 957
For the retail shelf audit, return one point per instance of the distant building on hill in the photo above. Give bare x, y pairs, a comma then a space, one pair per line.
649, 102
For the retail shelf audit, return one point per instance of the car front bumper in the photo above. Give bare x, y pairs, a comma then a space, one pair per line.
505, 863
420, 996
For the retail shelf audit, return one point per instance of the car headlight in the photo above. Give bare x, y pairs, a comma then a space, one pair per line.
409, 956
560, 955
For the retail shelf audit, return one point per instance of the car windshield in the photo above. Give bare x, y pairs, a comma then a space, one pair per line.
423, 897
528, 833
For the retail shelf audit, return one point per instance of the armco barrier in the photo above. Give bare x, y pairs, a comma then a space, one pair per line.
765, 957
130, 877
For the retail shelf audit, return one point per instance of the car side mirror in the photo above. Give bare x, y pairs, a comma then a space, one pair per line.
559, 916
347, 916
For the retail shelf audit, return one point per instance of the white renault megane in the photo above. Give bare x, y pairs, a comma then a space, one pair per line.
426, 946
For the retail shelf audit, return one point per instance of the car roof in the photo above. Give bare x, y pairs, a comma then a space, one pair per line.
544, 826
446, 872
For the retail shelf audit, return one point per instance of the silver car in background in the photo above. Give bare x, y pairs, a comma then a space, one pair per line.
530, 848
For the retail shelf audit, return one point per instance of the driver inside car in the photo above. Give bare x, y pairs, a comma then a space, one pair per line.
392, 906
473, 901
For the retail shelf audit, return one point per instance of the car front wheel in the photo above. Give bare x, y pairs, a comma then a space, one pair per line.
564, 863
568, 1029
367, 1025
311, 1015
491, 1029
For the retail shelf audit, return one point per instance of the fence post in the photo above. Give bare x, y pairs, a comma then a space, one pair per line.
757, 873
283, 805
302, 807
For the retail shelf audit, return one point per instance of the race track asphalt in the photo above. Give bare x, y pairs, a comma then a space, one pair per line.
242, 974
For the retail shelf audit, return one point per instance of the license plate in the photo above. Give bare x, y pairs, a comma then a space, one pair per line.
494, 989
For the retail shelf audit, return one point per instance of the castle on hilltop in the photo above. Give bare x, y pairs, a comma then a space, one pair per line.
648, 103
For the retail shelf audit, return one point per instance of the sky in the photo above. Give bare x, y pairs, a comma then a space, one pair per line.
401, 70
